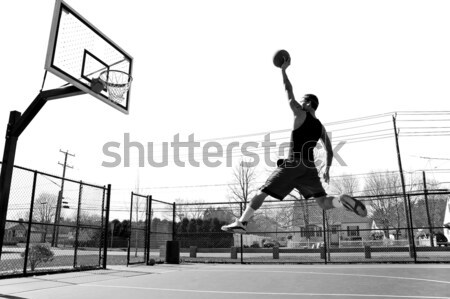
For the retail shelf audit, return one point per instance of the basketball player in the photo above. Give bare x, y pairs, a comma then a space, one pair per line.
299, 170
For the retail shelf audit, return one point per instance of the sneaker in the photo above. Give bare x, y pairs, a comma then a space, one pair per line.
236, 227
353, 205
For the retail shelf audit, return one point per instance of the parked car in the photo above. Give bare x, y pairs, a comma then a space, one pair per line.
271, 243
441, 239
283, 242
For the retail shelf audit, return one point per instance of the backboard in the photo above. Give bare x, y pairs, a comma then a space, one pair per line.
78, 52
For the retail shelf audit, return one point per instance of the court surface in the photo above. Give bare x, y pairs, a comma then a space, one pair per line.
239, 281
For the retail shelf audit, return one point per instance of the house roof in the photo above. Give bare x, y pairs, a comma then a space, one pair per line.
10, 225
349, 217
338, 215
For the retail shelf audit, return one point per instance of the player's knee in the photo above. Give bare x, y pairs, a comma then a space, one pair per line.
323, 203
320, 201
257, 201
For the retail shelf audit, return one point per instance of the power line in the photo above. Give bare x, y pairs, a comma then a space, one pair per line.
289, 130
422, 120
261, 182
362, 136
335, 138
431, 158
422, 112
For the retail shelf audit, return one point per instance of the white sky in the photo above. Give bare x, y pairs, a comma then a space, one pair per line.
204, 68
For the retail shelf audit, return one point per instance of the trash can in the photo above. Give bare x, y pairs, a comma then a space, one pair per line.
172, 252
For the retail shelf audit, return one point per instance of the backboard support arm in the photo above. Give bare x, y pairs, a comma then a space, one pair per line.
39, 102
16, 125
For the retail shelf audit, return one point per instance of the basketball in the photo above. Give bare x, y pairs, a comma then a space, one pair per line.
280, 57
152, 262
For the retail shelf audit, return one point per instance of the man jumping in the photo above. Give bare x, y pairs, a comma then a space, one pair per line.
299, 170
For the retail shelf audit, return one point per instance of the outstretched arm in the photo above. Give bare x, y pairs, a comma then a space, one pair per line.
295, 106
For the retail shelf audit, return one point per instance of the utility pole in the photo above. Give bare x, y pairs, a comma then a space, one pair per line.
60, 199
405, 198
430, 225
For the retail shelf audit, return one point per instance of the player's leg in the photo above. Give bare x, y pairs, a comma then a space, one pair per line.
240, 225
326, 202
342, 201
278, 185
310, 186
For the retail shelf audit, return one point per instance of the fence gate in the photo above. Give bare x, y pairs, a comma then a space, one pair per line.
138, 240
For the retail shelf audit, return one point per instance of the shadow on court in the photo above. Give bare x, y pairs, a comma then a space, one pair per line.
239, 281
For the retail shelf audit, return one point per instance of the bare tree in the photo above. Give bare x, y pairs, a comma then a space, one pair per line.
430, 210
300, 210
388, 209
287, 215
345, 184
267, 219
242, 187
191, 209
86, 217
221, 213
44, 210
436, 204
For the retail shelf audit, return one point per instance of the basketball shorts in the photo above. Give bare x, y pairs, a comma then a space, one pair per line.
294, 174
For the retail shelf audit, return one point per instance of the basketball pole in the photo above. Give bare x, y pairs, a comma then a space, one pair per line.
16, 125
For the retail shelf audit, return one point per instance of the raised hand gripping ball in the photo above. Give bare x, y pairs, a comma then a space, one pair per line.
280, 57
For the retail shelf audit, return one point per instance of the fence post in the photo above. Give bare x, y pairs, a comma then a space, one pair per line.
411, 227
6, 173
77, 229
276, 252
148, 228
30, 220
105, 244
193, 251
131, 229
367, 252
100, 248
174, 228
242, 238
233, 253
323, 254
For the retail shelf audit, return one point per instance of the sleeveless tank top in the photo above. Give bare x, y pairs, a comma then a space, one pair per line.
304, 139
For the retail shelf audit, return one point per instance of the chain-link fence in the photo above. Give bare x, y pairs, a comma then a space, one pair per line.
56, 224
53, 224
162, 228
399, 229
141, 236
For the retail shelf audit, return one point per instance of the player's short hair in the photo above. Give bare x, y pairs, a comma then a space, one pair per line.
313, 99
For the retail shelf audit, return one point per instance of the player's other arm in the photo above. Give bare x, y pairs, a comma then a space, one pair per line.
329, 149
